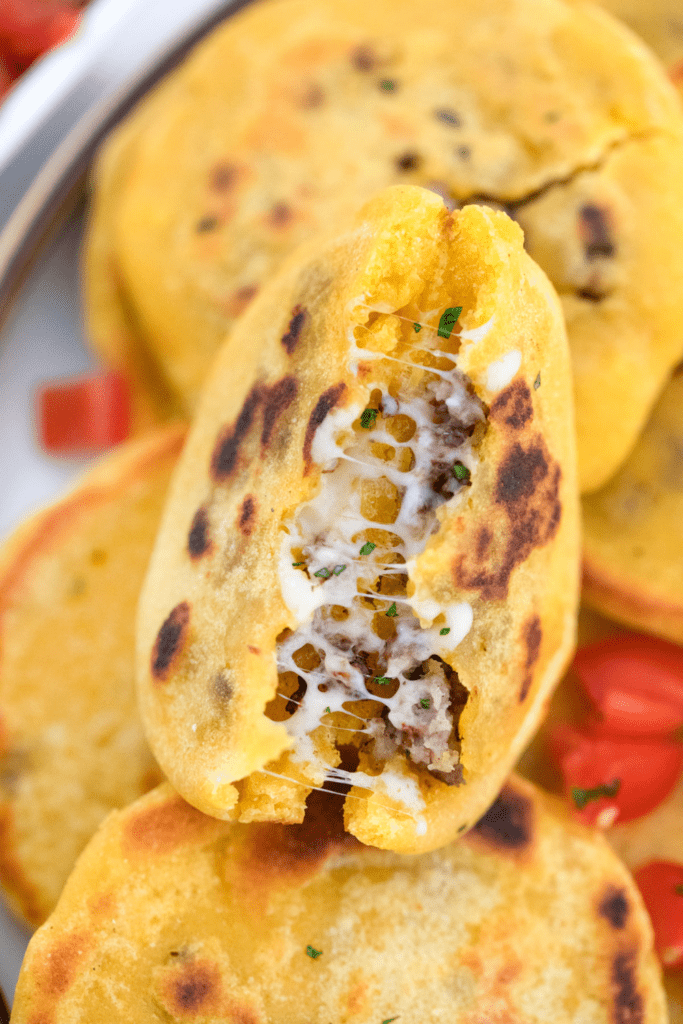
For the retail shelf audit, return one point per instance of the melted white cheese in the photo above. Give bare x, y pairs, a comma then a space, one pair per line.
328, 533
500, 373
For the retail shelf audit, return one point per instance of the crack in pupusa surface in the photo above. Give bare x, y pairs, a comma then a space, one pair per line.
359, 661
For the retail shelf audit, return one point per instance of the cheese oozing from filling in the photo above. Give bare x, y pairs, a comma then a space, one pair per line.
359, 659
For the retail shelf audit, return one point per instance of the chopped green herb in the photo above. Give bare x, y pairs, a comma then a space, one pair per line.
327, 711
393, 610
417, 328
444, 631
679, 890
297, 563
537, 382
324, 573
581, 797
449, 319
367, 548
389, 1020
313, 953
460, 472
338, 570
368, 418
424, 702
382, 680
462, 828
388, 84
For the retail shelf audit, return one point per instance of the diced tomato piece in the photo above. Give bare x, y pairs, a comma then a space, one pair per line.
635, 683
30, 27
84, 416
661, 885
613, 778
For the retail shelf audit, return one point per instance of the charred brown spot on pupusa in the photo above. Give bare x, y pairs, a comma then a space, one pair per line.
193, 989
222, 688
276, 400
514, 406
533, 635
278, 851
364, 59
627, 1000
325, 404
226, 451
198, 540
296, 325
408, 162
164, 827
311, 96
57, 972
170, 641
614, 907
246, 518
280, 215
595, 232
206, 224
222, 177
508, 825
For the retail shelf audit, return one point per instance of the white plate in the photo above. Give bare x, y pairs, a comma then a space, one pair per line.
49, 127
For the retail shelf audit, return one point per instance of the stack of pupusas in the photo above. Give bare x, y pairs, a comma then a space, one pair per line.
174, 912
365, 577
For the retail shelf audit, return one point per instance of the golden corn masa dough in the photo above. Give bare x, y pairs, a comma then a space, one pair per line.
660, 23
111, 322
370, 546
291, 114
71, 744
173, 915
656, 836
633, 528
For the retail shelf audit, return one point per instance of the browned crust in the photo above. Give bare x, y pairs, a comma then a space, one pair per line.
610, 594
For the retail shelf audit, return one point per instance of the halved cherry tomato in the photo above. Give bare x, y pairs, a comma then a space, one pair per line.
30, 27
611, 778
84, 416
635, 683
661, 886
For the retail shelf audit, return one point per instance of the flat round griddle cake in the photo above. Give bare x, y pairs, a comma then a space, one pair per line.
170, 915
367, 566
633, 529
660, 23
293, 113
71, 744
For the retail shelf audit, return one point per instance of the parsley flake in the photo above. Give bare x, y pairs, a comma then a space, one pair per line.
393, 610
297, 563
382, 680
679, 890
417, 328
537, 382
324, 573
388, 84
327, 711
444, 631
389, 1020
581, 797
338, 570
449, 319
367, 548
460, 472
462, 828
424, 702
313, 953
368, 418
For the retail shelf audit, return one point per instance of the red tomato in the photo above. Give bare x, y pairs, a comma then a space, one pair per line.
661, 885
6, 78
30, 27
635, 683
613, 778
84, 416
